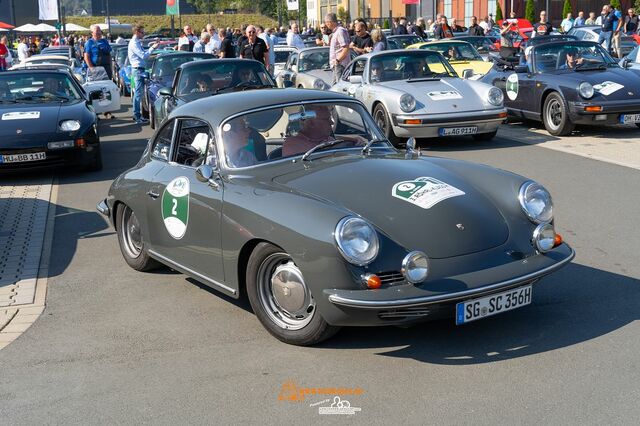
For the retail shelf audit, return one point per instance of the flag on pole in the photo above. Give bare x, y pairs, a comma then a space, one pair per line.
48, 10
173, 7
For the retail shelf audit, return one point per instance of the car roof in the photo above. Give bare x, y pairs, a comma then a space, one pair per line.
46, 57
209, 108
563, 42
214, 61
310, 49
448, 41
39, 70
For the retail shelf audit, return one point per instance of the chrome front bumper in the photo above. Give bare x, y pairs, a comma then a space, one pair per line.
430, 124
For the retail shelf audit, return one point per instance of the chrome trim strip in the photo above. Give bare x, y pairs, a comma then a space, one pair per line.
402, 303
191, 271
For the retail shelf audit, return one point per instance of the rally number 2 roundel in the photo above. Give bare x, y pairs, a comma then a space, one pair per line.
512, 86
175, 207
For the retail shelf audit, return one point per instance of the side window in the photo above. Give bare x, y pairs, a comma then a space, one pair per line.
194, 145
358, 67
347, 73
162, 144
293, 61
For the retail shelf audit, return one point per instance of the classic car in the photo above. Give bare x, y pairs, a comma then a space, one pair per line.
592, 33
118, 57
162, 71
460, 54
125, 76
484, 45
632, 60
67, 51
282, 56
36, 61
195, 80
417, 93
569, 82
266, 199
308, 69
402, 41
47, 120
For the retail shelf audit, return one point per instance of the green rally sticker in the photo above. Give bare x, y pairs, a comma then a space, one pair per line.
512, 86
175, 207
424, 191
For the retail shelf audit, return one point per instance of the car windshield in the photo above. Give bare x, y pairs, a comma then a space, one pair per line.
403, 42
455, 51
282, 56
482, 44
409, 64
57, 61
314, 60
571, 57
37, 87
165, 66
286, 131
202, 79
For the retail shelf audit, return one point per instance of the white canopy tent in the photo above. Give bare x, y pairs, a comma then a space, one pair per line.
45, 28
74, 27
26, 28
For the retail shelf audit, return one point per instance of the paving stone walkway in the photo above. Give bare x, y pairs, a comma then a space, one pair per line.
24, 215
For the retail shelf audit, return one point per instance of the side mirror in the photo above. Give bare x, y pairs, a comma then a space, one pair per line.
165, 91
204, 173
466, 74
355, 79
626, 63
521, 69
95, 95
411, 148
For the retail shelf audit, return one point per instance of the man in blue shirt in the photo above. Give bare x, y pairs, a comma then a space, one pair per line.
97, 52
137, 57
609, 24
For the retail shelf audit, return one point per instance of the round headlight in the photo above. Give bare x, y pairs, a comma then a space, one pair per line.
495, 96
356, 240
536, 202
586, 90
544, 237
415, 267
318, 84
407, 102
70, 125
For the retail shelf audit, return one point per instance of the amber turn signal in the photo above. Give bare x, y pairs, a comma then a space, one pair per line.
593, 108
372, 281
557, 240
413, 121
502, 115
80, 143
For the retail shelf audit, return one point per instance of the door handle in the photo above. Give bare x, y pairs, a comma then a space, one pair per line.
153, 194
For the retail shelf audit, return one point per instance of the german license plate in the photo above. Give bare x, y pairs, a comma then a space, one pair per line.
458, 131
630, 118
21, 158
476, 309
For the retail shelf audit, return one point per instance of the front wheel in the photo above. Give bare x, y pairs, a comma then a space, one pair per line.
381, 117
485, 136
281, 299
132, 244
555, 116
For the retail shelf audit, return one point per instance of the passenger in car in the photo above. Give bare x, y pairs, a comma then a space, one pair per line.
238, 144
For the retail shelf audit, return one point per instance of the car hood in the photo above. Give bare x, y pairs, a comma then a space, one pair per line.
439, 96
478, 67
395, 194
325, 76
623, 81
23, 122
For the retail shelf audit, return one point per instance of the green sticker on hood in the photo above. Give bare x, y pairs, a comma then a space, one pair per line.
175, 207
424, 192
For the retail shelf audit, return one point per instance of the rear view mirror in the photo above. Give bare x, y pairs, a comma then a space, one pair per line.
355, 79
204, 173
165, 91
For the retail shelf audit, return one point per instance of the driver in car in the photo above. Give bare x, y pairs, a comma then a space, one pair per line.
51, 86
377, 71
572, 61
239, 146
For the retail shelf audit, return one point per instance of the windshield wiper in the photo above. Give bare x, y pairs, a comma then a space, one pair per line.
257, 86
585, 67
322, 145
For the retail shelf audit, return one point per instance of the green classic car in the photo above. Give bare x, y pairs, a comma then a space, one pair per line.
294, 199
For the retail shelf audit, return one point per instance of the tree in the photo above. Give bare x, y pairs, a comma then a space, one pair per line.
616, 4
530, 11
343, 15
498, 11
566, 8
637, 6
386, 25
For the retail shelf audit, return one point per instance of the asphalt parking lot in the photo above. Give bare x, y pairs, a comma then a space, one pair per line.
117, 346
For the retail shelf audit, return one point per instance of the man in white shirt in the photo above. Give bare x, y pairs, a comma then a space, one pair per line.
137, 56
293, 38
186, 42
213, 47
23, 49
200, 46
269, 42
485, 24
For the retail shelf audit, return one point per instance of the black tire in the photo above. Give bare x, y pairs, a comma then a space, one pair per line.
381, 117
132, 246
555, 116
144, 108
96, 164
303, 330
121, 87
485, 136
152, 119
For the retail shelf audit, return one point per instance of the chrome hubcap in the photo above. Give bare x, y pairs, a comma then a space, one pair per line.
283, 293
131, 233
554, 114
379, 119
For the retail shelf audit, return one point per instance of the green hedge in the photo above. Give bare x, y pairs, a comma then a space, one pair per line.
154, 23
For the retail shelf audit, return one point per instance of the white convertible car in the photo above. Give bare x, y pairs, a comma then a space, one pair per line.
416, 93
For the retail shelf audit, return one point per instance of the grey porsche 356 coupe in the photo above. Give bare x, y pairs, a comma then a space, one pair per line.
296, 200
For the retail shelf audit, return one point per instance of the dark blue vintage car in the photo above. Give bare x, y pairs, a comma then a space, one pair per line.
565, 83
46, 119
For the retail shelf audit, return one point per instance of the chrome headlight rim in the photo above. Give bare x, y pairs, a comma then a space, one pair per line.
586, 90
495, 96
69, 125
405, 268
522, 194
374, 242
544, 243
407, 102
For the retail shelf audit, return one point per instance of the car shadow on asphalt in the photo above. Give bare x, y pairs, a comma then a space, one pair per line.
570, 307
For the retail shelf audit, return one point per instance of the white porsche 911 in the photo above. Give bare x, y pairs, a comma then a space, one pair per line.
417, 94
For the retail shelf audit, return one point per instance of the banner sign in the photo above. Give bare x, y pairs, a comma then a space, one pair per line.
292, 4
173, 7
48, 10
